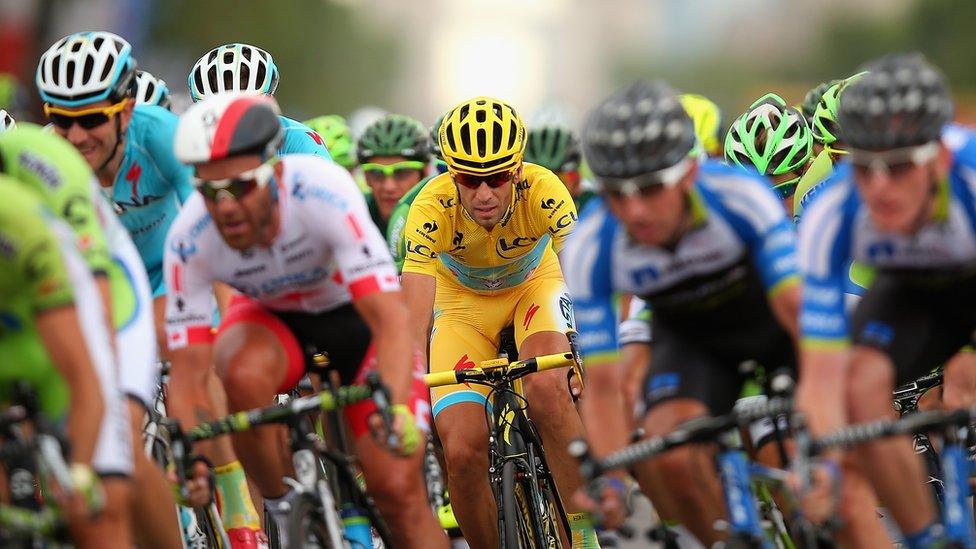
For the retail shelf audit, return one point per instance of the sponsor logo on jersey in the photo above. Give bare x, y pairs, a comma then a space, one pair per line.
663, 385
184, 247
248, 271
426, 229
552, 205
456, 242
73, 211
307, 252
529, 315
122, 206
421, 249
566, 309
564, 221
504, 248
446, 203
41, 168
132, 176
881, 250
285, 247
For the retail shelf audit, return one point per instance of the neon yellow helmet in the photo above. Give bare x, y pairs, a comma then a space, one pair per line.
707, 118
481, 136
334, 131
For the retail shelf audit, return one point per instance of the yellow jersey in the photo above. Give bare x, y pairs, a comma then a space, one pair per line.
442, 237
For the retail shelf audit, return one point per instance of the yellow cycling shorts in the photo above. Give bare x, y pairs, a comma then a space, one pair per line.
467, 326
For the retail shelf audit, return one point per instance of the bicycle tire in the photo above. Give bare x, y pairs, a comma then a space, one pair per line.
306, 527
516, 513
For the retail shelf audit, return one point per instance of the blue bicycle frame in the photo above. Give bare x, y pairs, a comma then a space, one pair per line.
957, 512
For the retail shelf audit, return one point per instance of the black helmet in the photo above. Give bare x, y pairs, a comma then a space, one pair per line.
902, 101
640, 129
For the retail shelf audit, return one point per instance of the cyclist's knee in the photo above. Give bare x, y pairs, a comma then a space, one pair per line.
680, 469
869, 390
465, 452
546, 391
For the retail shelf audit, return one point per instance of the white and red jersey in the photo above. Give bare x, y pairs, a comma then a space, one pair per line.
327, 253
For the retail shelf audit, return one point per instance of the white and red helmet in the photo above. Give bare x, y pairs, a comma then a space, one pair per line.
227, 125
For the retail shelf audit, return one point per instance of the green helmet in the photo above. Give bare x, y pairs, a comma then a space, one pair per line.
333, 129
824, 122
770, 136
394, 135
554, 148
812, 99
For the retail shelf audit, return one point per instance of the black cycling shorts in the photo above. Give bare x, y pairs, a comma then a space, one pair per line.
918, 319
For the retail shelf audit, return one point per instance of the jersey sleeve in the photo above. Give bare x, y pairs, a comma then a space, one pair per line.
29, 237
398, 221
337, 214
824, 250
189, 302
300, 139
758, 217
556, 210
162, 137
636, 327
77, 207
423, 236
586, 262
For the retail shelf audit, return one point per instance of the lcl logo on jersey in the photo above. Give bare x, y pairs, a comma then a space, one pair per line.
504, 247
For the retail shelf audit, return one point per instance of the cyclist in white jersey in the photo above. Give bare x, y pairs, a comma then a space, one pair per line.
293, 236
902, 203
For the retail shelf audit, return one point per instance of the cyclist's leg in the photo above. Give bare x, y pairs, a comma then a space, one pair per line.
959, 380
542, 317
396, 483
898, 335
460, 415
685, 382
136, 350
254, 355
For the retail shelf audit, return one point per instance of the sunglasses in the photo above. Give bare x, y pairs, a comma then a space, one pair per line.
235, 187
400, 171
618, 187
87, 118
493, 180
895, 162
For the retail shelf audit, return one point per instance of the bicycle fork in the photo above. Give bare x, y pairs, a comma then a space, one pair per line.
956, 470
740, 500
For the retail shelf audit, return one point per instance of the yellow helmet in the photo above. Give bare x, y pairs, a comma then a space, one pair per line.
707, 118
481, 136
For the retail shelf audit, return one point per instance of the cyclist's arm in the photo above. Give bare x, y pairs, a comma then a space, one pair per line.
47, 280
634, 336
823, 323
561, 218
60, 330
386, 315
420, 290
188, 316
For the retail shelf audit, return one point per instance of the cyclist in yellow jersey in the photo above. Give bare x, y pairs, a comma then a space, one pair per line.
481, 243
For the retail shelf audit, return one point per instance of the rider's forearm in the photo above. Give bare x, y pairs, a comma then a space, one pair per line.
105, 291
188, 398
395, 354
786, 308
603, 408
61, 332
822, 389
419, 290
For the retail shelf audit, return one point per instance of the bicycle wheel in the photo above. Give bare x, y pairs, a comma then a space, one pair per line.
516, 511
307, 528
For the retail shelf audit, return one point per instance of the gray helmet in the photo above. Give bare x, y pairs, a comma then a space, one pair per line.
902, 101
640, 129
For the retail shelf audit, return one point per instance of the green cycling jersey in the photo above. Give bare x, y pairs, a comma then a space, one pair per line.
33, 278
61, 178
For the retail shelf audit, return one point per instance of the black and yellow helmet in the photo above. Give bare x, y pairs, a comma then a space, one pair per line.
482, 136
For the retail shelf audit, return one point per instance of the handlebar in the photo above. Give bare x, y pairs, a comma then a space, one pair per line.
491, 370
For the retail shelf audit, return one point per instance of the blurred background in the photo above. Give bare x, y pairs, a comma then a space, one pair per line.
552, 59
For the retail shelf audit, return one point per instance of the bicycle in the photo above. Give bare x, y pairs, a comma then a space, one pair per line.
202, 527
315, 518
34, 459
905, 401
957, 511
530, 511
737, 474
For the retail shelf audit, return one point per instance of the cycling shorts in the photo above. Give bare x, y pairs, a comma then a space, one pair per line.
918, 319
343, 337
467, 326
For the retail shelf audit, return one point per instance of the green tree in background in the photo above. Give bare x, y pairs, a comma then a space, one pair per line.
330, 61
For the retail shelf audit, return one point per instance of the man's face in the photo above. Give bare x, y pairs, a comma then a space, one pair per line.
390, 184
484, 203
653, 216
897, 186
97, 143
242, 221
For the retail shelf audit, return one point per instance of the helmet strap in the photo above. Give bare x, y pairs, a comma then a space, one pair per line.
118, 141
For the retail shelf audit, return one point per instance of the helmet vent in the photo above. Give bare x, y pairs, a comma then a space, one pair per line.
56, 74
98, 43
481, 116
482, 137
246, 53
463, 113
76, 46
261, 73
450, 138
228, 79
198, 79
512, 134
228, 57
466, 139
71, 71
212, 56
90, 66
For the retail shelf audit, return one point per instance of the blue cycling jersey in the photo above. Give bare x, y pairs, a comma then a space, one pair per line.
837, 229
150, 186
300, 139
741, 248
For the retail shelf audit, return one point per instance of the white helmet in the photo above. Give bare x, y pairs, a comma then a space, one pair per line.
151, 90
6, 121
84, 68
233, 68
226, 125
